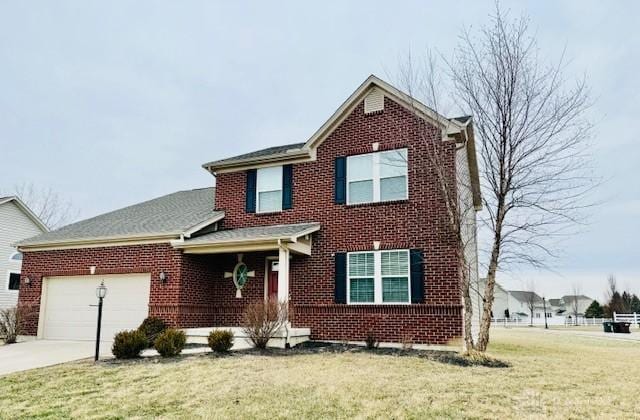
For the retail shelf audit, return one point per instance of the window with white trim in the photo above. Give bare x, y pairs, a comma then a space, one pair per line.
379, 176
16, 256
378, 277
269, 189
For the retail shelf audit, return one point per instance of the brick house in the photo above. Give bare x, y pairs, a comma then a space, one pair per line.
346, 227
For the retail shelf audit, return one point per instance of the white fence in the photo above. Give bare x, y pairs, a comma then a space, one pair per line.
585, 321
553, 321
633, 318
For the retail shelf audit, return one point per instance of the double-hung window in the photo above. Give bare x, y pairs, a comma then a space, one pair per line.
378, 277
269, 189
379, 176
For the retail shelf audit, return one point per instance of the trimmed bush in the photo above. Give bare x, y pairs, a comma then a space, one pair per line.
170, 343
128, 344
220, 341
152, 327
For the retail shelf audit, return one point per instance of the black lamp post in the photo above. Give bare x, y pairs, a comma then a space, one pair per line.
544, 304
101, 292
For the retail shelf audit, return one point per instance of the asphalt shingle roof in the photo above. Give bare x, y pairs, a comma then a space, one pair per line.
524, 296
257, 154
166, 215
253, 233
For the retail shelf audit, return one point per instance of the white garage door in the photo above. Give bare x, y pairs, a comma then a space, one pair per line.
70, 312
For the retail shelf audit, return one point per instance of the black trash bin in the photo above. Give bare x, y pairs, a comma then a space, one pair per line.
621, 327
608, 328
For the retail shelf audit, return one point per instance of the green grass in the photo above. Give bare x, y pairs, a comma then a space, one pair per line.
551, 375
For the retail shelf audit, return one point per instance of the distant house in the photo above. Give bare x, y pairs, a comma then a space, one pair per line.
521, 302
17, 222
513, 305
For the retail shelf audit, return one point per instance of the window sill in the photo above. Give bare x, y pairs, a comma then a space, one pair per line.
268, 213
378, 203
381, 304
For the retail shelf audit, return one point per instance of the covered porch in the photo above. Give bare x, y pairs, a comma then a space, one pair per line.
226, 270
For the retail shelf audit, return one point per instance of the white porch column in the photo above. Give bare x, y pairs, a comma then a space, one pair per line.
283, 274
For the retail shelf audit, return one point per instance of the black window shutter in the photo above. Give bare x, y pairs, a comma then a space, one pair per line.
417, 276
341, 277
251, 191
341, 180
287, 187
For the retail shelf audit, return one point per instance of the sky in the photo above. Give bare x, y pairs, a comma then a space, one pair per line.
113, 103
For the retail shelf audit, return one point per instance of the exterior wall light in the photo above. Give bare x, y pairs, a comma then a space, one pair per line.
27, 281
163, 277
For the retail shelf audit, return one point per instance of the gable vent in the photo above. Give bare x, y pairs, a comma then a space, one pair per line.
374, 101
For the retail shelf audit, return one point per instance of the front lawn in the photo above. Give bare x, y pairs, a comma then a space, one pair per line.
551, 375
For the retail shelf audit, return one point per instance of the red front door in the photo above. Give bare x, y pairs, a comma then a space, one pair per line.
272, 280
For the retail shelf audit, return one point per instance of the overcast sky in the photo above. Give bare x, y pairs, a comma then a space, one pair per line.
112, 103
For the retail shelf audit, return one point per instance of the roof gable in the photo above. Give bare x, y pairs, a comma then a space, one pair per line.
26, 210
307, 150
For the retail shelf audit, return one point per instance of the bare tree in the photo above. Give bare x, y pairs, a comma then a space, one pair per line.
532, 300
422, 86
533, 146
533, 141
576, 291
47, 204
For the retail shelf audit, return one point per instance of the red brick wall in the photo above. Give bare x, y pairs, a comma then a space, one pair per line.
418, 222
163, 300
198, 295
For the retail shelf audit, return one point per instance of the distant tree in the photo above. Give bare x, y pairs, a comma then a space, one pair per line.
575, 303
47, 204
627, 299
635, 304
616, 302
594, 310
532, 300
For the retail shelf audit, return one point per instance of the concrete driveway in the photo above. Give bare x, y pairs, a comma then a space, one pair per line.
39, 353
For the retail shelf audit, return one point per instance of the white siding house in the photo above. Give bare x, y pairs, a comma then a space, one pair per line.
17, 222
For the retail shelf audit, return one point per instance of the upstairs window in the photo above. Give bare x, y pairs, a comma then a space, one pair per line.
375, 177
16, 256
269, 189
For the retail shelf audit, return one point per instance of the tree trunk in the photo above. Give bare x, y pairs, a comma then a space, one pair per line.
468, 308
487, 299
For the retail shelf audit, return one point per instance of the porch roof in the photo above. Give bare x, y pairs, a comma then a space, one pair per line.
259, 238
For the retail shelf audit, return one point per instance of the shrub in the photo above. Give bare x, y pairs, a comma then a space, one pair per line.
128, 344
11, 324
152, 327
262, 320
220, 341
371, 341
170, 343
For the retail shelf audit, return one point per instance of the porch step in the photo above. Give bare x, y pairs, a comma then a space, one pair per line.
241, 341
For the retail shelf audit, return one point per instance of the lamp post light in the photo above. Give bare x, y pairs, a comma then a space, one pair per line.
544, 304
101, 292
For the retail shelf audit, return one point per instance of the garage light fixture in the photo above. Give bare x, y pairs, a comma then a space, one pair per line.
27, 280
101, 291
163, 277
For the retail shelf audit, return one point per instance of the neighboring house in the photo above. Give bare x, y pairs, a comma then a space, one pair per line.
17, 222
573, 302
520, 303
346, 227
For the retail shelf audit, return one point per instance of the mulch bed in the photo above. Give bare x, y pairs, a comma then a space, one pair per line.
319, 347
